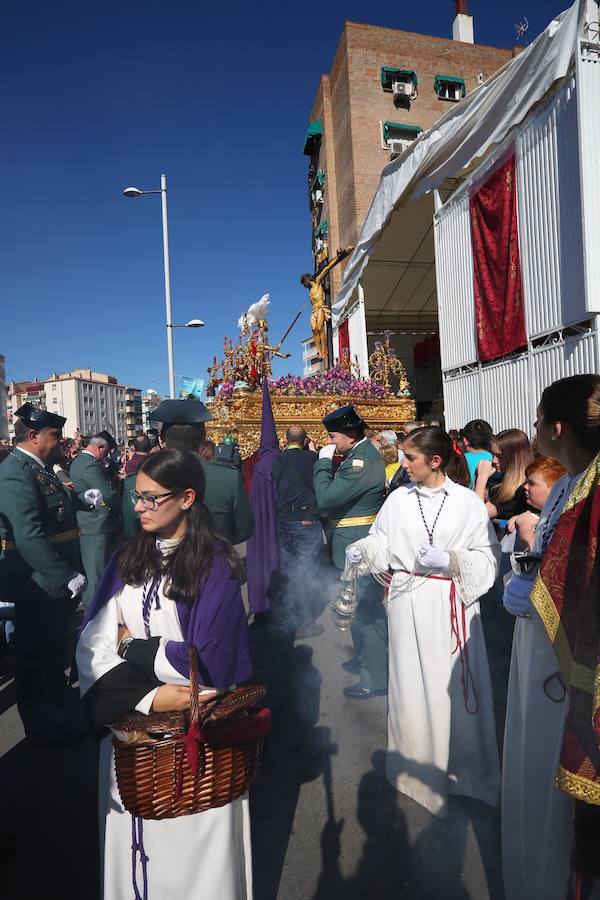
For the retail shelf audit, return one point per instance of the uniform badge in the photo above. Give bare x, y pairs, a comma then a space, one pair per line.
358, 463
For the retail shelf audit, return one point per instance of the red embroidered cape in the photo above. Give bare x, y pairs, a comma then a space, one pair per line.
566, 595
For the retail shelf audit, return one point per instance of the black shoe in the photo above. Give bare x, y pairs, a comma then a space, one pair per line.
358, 692
352, 666
309, 631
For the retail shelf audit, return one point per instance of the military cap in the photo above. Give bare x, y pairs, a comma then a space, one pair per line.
38, 419
180, 412
107, 436
345, 418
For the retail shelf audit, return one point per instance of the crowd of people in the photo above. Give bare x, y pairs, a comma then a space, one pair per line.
420, 526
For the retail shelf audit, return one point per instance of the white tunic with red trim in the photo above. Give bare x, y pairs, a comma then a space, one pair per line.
441, 730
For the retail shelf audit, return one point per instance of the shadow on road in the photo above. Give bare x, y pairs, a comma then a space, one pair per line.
389, 865
49, 813
297, 751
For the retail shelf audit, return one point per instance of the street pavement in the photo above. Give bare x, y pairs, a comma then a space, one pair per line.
326, 825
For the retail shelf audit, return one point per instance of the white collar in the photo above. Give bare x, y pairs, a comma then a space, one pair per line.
33, 456
354, 446
89, 454
445, 488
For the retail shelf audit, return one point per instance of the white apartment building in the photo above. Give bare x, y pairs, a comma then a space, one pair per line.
150, 401
89, 401
19, 392
3, 411
311, 362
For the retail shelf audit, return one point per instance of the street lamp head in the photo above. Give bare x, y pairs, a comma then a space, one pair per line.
194, 323
132, 192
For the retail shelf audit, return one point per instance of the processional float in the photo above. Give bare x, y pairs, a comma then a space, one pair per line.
235, 400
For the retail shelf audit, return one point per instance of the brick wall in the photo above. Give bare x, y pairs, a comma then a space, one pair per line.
351, 103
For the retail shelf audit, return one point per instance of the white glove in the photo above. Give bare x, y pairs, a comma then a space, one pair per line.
327, 452
516, 595
353, 554
432, 558
94, 497
77, 586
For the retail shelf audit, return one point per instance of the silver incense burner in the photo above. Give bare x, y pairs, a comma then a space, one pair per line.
344, 606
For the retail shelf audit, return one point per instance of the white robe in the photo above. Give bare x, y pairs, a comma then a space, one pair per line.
435, 747
537, 817
190, 857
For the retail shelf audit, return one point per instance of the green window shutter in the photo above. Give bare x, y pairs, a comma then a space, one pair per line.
400, 130
321, 230
319, 180
313, 137
449, 79
389, 74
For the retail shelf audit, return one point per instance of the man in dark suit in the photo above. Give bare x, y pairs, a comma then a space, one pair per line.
299, 530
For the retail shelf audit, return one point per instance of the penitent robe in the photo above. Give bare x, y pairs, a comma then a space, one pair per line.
190, 857
441, 730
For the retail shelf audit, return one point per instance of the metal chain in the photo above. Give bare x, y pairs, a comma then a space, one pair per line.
430, 533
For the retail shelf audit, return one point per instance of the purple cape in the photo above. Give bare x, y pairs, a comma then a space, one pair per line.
216, 625
262, 549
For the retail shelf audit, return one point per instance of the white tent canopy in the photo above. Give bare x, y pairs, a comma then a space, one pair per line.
444, 152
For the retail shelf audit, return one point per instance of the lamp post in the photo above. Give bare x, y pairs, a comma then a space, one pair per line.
193, 323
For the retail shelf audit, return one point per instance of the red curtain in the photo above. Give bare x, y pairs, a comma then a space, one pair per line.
498, 290
344, 343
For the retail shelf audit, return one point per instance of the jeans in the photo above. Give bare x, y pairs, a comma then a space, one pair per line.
300, 549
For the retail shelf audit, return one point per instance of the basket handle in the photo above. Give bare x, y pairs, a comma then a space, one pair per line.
195, 704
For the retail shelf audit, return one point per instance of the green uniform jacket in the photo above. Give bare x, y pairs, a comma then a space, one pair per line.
130, 523
38, 531
226, 499
356, 489
86, 472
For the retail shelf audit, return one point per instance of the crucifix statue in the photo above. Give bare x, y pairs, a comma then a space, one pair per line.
320, 311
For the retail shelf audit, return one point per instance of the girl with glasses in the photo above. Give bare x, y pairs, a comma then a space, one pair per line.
174, 584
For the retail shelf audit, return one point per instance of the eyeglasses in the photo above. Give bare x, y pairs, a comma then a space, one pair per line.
150, 501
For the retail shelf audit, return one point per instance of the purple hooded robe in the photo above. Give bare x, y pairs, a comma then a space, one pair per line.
262, 547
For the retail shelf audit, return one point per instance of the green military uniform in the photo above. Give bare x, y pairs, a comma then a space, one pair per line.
130, 523
224, 496
39, 556
95, 525
227, 501
351, 498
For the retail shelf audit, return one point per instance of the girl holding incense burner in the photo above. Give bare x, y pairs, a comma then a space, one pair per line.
437, 539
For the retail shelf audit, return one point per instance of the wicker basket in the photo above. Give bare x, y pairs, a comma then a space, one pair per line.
173, 764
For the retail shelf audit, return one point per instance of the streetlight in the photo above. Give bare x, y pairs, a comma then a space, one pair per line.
193, 323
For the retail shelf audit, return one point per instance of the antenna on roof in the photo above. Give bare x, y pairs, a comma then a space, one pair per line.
522, 28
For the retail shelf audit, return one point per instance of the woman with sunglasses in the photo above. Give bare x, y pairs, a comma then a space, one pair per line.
172, 586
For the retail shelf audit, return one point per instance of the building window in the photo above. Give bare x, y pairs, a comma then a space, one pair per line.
403, 83
312, 141
449, 87
53, 387
397, 137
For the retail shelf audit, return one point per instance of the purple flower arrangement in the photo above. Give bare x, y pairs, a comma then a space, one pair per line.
334, 382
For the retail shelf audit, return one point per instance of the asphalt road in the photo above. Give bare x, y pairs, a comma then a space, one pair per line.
326, 825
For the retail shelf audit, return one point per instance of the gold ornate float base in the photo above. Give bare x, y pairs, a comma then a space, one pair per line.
241, 416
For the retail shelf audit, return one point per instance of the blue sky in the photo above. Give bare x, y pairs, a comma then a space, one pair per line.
97, 97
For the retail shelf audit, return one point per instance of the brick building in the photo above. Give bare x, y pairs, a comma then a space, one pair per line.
384, 88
